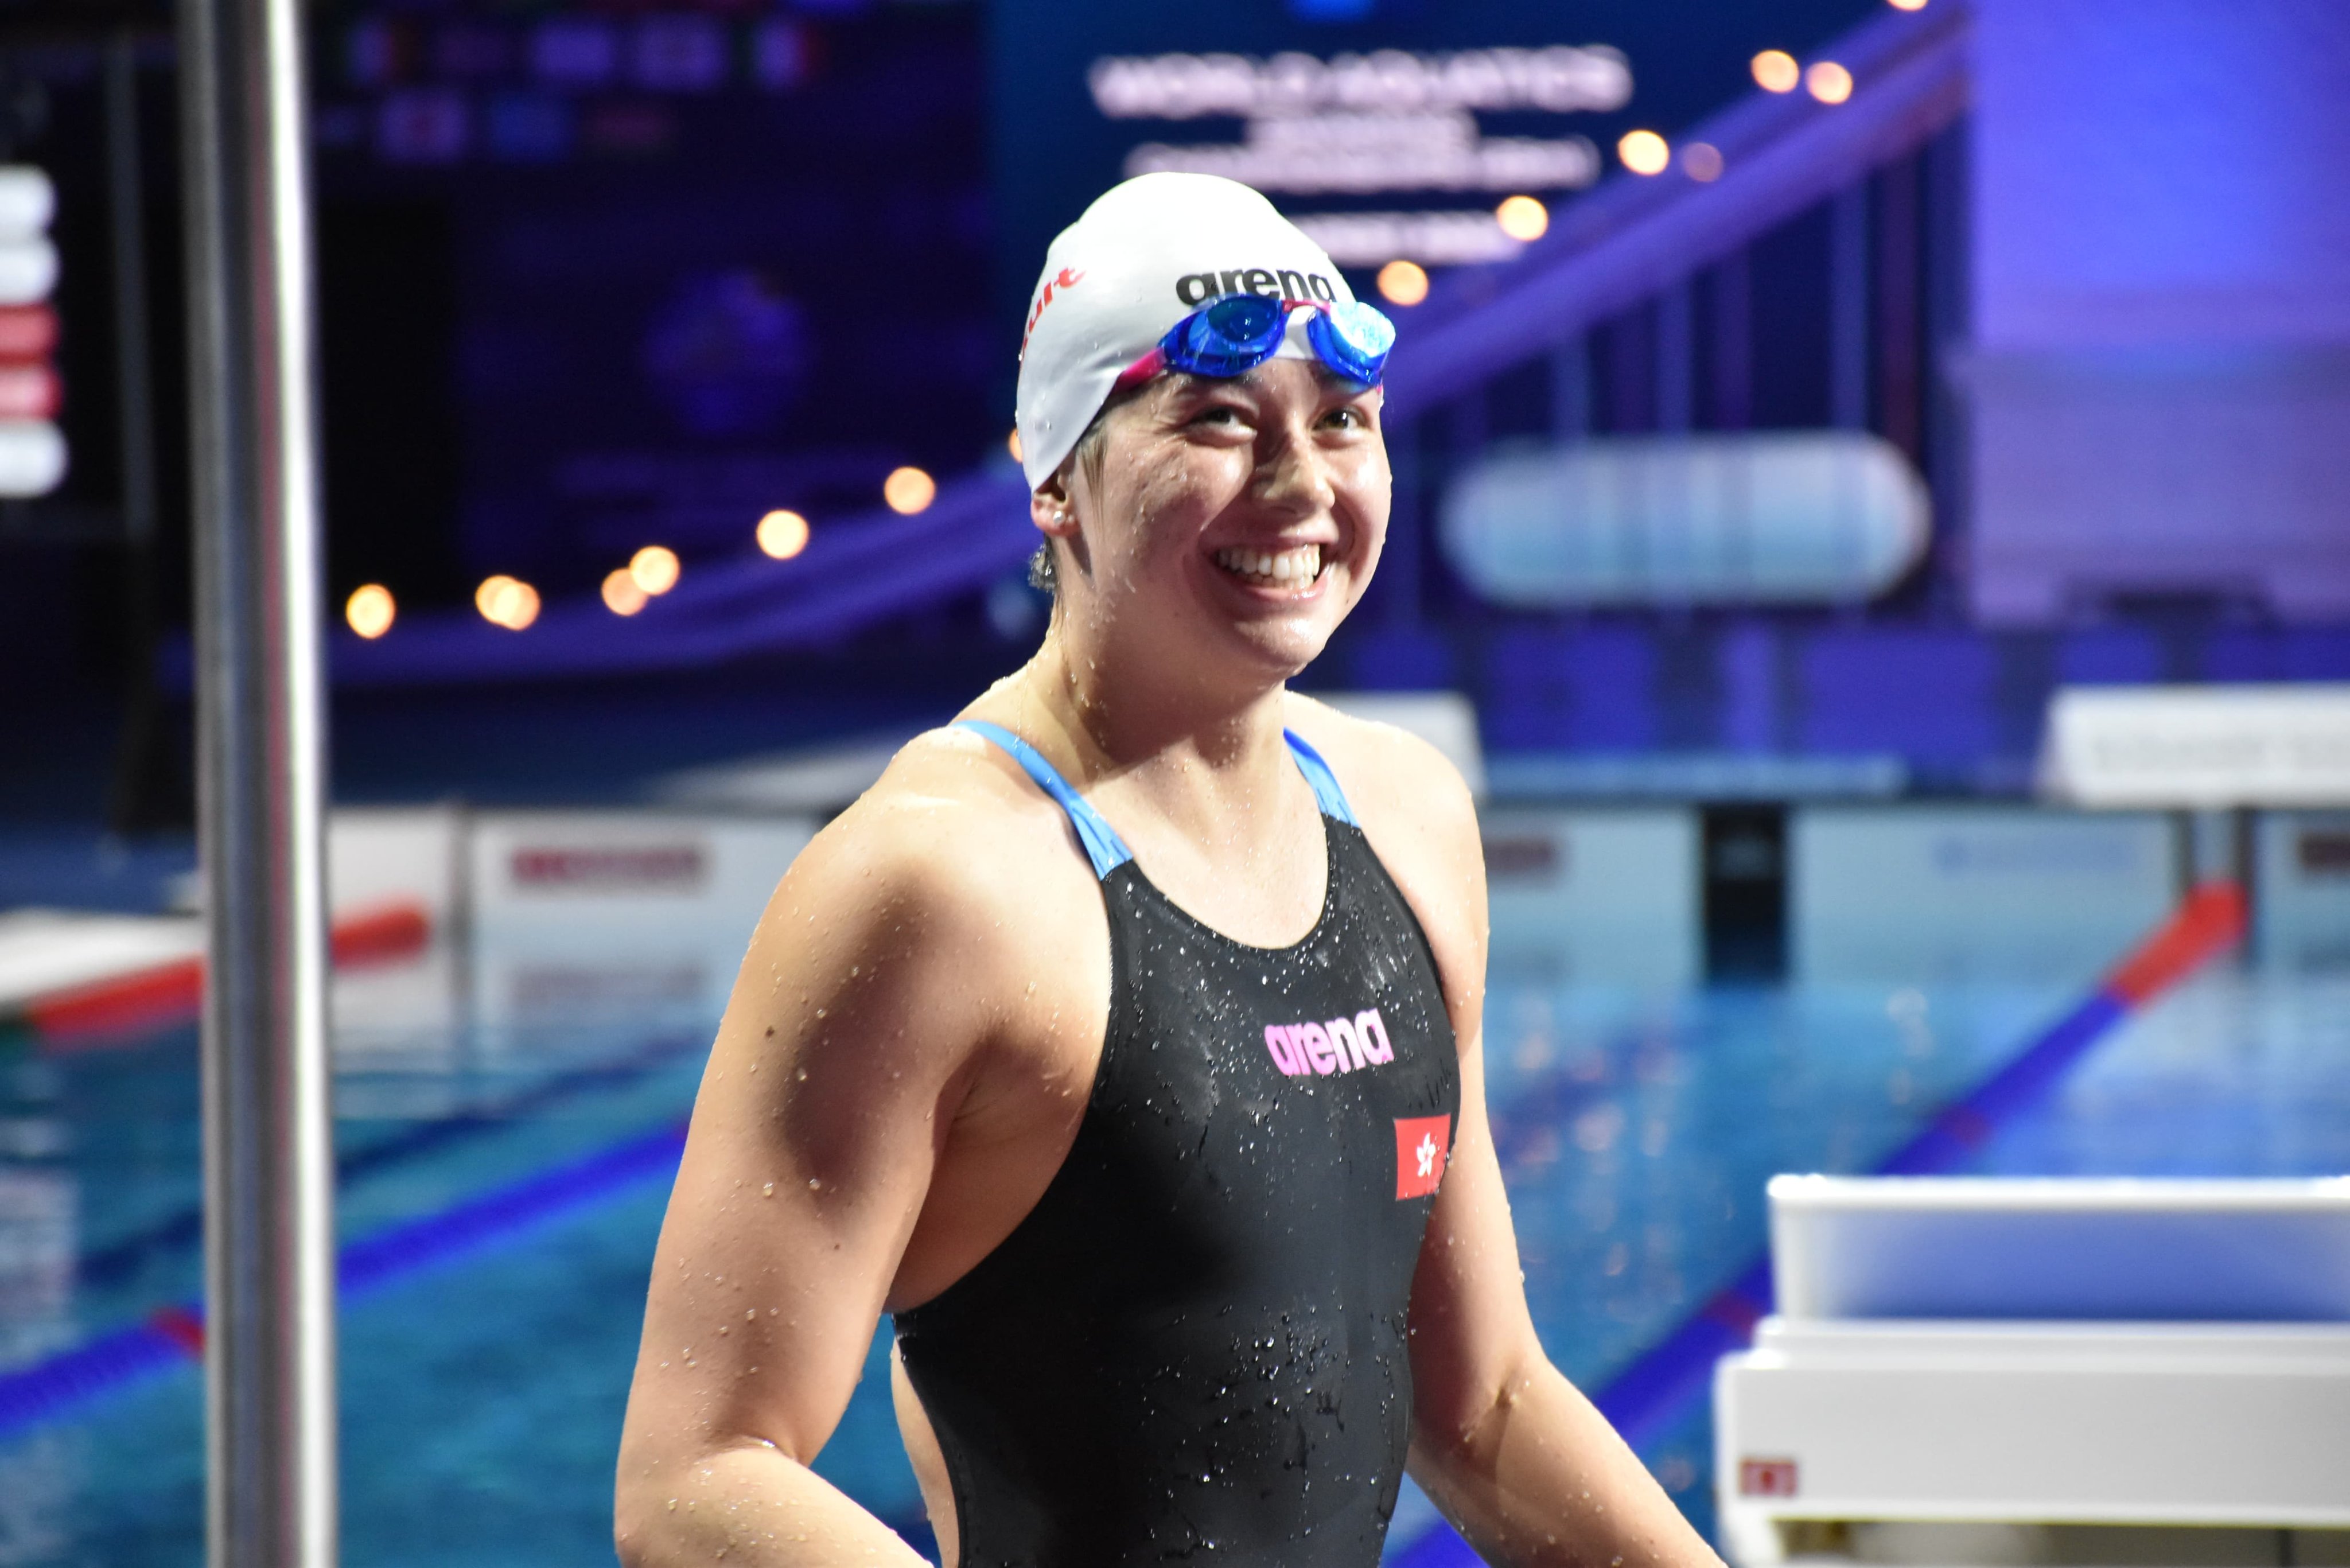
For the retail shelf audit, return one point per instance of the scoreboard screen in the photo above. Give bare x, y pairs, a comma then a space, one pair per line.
1390, 130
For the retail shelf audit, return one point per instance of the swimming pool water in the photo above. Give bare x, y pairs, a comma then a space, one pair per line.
483, 1387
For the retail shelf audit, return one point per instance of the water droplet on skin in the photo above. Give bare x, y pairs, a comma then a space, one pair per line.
768, 1191
814, 1185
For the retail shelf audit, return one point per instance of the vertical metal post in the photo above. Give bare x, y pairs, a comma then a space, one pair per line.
1733, 398
1848, 309
269, 1359
1676, 350
1901, 413
1947, 279
1570, 389
1733, 344
1631, 361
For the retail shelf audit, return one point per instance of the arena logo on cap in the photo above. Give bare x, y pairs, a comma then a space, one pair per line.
1067, 277
1284, 283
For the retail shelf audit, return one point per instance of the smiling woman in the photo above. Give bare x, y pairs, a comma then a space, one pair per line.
1266, 491
1158, 1285
1183, 388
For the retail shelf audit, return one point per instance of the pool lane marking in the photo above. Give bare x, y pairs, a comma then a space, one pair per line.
184, 1227
122, 1008
171, 1337
1648, 1396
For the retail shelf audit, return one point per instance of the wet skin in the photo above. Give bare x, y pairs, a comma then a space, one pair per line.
907, 1053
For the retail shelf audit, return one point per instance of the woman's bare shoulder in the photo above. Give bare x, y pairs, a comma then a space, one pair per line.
951, 826
1421, 821
1384, 768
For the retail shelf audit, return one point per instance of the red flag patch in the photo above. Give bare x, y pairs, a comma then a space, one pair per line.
1423, 1144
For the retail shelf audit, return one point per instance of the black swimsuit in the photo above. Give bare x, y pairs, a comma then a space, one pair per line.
1195, 1345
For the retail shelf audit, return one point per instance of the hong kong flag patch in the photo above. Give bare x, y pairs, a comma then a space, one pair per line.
1422, 1146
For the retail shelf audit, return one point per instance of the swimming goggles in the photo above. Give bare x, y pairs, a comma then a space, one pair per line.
1235, 334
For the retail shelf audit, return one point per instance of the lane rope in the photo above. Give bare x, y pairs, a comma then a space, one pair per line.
123, 1009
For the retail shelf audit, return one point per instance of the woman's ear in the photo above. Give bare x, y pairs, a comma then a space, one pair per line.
1050, 509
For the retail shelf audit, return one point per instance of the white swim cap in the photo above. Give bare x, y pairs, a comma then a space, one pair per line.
1145, 254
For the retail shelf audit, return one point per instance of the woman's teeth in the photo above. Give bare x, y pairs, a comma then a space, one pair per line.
1299, 566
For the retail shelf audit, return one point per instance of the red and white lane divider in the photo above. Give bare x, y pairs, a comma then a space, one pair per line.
116, 1008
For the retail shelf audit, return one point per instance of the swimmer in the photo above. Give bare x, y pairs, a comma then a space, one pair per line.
1123, 1041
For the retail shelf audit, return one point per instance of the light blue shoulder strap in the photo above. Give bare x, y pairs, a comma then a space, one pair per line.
1104, 848
1326, 792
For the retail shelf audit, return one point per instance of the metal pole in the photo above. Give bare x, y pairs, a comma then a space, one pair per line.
269, 1359
1570, 389
1675, 353
1733, 344
1848, 309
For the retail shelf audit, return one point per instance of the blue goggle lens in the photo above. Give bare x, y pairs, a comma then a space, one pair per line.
1237, 333
1240, 331
1352, 338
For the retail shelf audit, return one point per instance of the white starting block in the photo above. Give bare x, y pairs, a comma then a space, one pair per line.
1974, 1372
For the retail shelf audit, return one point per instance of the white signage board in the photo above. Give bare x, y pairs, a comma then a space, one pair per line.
2199, 746
1939, 894
631, 919
1604, 896
2301, 879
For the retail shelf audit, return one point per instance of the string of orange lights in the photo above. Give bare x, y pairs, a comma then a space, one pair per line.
510, 602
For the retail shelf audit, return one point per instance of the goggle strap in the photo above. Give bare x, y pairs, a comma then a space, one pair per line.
1141, 371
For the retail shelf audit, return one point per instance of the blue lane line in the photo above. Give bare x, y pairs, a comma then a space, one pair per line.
47, 1390
1952, 1140
1650, 1397
183, 1228
50, 1388
388, 1255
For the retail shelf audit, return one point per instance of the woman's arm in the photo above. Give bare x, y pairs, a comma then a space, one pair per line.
1506, 1447
837, 1072
1513, 1453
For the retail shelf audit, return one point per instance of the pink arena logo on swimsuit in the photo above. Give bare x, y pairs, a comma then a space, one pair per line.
1333, 1046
